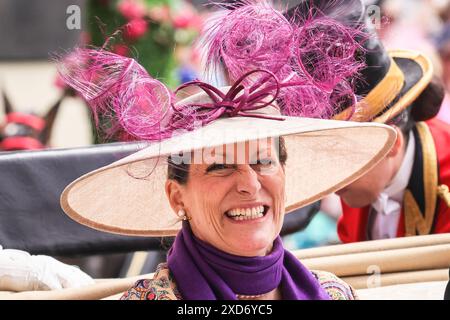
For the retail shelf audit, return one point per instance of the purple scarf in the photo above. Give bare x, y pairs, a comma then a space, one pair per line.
202, 272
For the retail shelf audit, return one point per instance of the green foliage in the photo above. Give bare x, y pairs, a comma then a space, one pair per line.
154, 51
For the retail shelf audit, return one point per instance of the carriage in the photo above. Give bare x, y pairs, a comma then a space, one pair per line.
31, 219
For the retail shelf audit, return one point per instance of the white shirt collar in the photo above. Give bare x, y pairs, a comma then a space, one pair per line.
390, 199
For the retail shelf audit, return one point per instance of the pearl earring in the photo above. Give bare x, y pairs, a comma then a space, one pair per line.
182, 215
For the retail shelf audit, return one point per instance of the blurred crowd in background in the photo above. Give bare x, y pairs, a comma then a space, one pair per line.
422, 25
161, 35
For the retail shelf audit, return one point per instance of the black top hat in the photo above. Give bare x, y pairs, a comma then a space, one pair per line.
391, 80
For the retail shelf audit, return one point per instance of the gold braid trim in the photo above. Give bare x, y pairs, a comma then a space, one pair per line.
378, 98
415, 221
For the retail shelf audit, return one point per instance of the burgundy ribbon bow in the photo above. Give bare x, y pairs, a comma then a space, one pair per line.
237, 101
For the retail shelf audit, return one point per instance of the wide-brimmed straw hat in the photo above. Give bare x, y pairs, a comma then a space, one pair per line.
128, 196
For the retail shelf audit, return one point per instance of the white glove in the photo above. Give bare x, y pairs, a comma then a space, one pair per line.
20, 271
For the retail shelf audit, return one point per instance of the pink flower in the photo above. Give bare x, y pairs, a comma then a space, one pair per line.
181, 22
131, 9
136, 28
121, 49
197, 23
188, 19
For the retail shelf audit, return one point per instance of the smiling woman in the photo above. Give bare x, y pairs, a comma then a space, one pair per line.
235, 206
216, 174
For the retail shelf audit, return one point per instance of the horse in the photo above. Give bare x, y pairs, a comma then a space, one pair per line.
27, 131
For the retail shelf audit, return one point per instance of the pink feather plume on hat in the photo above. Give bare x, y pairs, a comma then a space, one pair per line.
128, 104
119, 90
318, 55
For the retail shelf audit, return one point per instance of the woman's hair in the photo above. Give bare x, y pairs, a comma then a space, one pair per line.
425, 107
180, 172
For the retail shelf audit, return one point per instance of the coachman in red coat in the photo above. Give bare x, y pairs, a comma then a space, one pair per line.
406, 194
425, 208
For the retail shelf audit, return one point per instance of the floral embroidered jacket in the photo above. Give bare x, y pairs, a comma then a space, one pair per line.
163, 287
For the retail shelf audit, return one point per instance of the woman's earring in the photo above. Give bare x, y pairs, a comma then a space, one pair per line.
182, 215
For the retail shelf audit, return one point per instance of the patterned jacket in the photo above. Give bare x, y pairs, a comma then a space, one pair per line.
163, 287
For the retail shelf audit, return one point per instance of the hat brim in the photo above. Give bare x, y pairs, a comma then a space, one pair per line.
418, 72
128, 196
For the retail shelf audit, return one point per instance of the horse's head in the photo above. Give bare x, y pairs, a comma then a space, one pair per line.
26, 131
